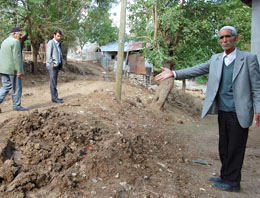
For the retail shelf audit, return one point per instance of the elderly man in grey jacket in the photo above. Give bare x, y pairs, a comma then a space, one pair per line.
54, 64
11, 68
233, 92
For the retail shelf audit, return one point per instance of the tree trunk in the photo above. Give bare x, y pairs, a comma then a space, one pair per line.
24, 38
165, 86
64, 50
35, 63
184, 85
162, 93
155, 21
35, 48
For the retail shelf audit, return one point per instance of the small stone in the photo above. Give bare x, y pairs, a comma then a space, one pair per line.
10, 189
93, 192
180, 122
37, 146
126, 186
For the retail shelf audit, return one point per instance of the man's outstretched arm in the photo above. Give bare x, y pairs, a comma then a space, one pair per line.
166, 73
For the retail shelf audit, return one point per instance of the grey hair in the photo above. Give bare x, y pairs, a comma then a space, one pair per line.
231, 28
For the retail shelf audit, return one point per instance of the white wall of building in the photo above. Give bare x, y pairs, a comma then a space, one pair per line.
255, 37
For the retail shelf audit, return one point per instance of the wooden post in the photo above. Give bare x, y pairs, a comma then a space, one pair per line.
120, 55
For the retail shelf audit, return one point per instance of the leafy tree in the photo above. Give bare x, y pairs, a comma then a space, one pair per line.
181, 32
39, 18
97, 27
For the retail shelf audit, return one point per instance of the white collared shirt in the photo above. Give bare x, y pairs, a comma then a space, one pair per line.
59, 51
229, 58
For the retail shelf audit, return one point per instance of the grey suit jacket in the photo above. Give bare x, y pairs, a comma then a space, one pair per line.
245, 84
52, 54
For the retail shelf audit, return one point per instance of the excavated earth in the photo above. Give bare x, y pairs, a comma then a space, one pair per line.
100, 149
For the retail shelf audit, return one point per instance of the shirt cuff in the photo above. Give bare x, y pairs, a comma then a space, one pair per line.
174, 74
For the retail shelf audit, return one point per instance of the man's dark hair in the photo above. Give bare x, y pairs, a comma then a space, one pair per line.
57, 31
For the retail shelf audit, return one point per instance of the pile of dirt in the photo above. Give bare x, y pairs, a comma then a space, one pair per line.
97, 146
90, 70
67, 67
29, 68
186, 102
43, 144
71, 71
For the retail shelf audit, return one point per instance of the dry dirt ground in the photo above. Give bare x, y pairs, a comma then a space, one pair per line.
96, 146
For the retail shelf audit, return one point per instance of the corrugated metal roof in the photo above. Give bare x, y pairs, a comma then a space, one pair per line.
113, 47
135, 46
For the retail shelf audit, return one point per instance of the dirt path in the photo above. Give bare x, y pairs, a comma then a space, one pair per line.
203, 145
96, 146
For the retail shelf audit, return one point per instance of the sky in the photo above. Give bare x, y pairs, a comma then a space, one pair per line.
116, 19
116, 9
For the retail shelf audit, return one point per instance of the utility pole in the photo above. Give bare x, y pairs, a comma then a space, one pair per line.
120, 55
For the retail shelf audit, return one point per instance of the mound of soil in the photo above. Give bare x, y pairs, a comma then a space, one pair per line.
70, 72
186, 102
94, 147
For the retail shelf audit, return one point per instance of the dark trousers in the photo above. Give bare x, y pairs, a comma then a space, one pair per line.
232, 146
53, 73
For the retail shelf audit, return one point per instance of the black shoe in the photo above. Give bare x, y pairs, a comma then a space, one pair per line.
226, 187
20, 108
215, 179
59, 100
